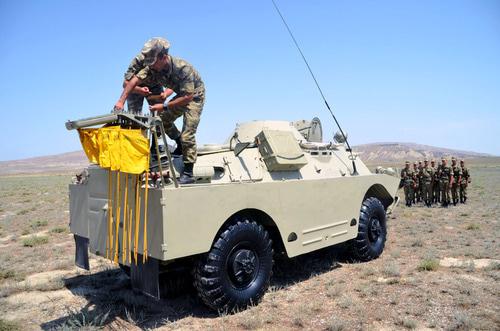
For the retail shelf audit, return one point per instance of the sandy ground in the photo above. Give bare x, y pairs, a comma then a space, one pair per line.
41, 289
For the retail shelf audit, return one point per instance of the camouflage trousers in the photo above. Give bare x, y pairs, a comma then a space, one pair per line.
463, 191
409, 193
192, 113
436, 191
454, 191
444, 187
135, 100
427, 191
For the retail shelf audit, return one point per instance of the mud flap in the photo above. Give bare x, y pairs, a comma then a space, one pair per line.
82, 252
145, 277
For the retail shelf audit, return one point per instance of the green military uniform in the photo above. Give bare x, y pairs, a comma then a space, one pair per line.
183, 79
464, 182
427, 175
435, 184
457, 175
136, 100
445, 174
416, 187
408, 177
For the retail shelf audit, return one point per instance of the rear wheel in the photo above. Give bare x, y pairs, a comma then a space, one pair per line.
372, 231
236, 271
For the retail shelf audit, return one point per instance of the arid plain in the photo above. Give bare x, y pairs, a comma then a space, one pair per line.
440, 270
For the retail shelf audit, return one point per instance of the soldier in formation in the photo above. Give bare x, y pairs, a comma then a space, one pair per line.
408, 178
416, 187
457, 179
426, 175
435, 183
465, 181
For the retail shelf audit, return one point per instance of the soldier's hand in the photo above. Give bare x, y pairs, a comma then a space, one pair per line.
144, 91
158, 107
118, 107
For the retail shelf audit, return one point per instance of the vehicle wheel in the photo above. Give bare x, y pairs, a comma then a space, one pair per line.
372, 231
236, 271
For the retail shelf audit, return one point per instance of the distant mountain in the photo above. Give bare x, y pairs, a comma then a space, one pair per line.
74, 162
399, 152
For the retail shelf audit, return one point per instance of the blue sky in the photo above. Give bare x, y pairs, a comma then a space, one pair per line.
411, 71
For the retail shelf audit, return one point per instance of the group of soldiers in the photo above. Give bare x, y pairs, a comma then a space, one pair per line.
434, 183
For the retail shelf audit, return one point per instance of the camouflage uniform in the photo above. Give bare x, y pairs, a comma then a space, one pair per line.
427, 176
136, 100
416, 196
435, 182
457, 174
445, 174
464, 182
420, 182
182, 78
408, 178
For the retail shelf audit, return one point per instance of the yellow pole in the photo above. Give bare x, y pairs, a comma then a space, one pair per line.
137, 216
109, 240
117, 216
125, 225
130, 232
145, 232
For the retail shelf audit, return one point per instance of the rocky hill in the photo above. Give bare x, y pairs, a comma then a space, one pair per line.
74, 162
399, 152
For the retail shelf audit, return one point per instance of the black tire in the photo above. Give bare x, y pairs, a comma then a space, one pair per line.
372, 231
236, 271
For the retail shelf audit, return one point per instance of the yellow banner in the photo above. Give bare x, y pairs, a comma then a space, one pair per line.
125, 150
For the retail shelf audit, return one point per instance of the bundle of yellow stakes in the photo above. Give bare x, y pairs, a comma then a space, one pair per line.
121, 151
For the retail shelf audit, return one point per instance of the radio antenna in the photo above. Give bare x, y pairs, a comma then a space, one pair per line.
349, 149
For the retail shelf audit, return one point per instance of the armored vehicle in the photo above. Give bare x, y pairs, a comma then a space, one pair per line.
272, 187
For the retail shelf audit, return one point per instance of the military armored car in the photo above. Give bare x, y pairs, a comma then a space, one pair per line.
272, 187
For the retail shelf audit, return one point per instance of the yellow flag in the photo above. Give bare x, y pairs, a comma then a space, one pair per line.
117, 149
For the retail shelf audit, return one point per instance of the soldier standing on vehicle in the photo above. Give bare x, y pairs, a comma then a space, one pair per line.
186, 82
465, 181
427, 174
416, 187
150, 89
445, 179
457, 179
408, 178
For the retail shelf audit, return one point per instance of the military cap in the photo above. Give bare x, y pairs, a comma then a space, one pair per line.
433, 160
453, 158
443, 159
425, 160
462, 161
407, 162
152, 48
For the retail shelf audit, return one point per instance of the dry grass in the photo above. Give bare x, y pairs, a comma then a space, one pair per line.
320, 291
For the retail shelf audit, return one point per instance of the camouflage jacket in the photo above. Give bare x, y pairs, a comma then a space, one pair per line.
408, 176
427, 174
456, 172
465, 175
179, 75
135, 66
445, 173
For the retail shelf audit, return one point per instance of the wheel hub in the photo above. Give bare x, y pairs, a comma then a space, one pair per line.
375, 230
242, 267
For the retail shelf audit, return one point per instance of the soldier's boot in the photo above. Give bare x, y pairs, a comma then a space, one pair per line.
178, 149
465, 199
455, 202
187, 174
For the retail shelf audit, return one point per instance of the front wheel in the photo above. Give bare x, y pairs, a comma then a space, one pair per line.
372, 231
236, 271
